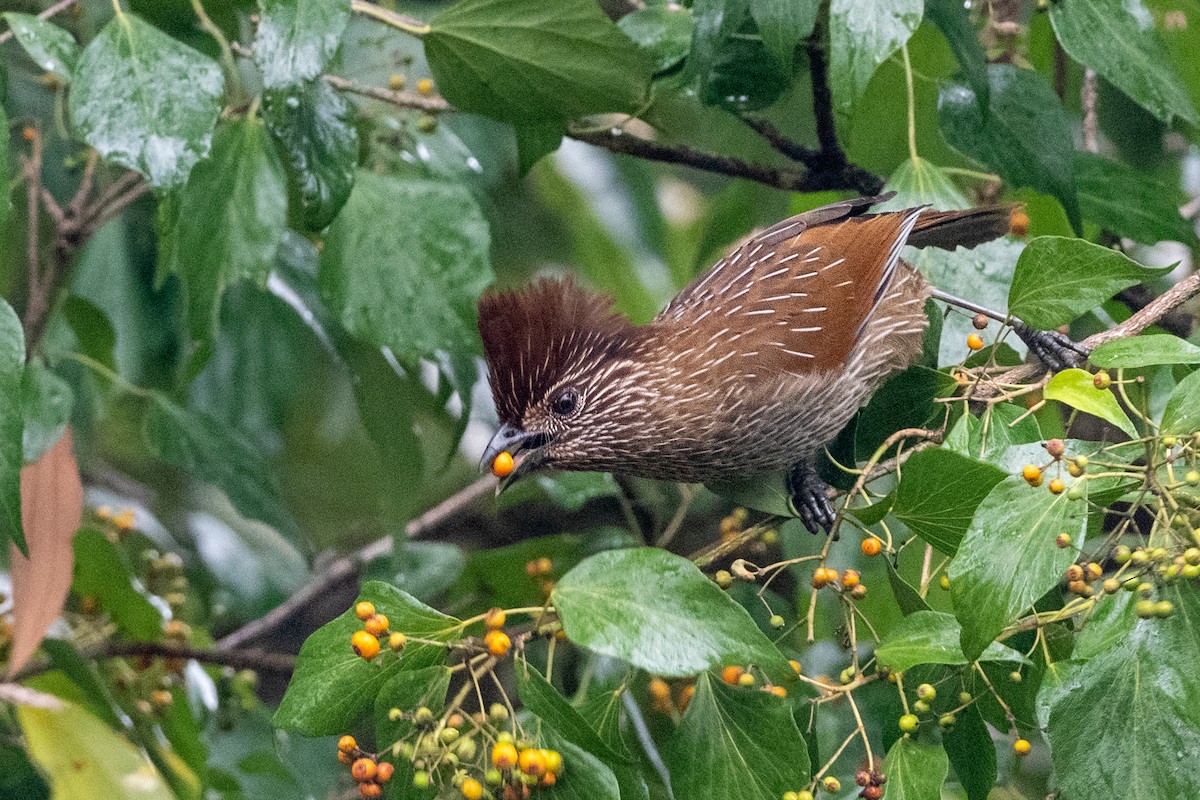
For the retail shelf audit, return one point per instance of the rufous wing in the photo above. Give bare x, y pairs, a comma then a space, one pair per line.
794, 297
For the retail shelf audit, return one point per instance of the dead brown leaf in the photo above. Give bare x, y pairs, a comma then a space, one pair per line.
51, 510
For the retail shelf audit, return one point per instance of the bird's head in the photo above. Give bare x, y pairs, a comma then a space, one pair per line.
559, 361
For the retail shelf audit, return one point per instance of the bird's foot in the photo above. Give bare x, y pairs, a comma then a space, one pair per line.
1056, 351
810, 498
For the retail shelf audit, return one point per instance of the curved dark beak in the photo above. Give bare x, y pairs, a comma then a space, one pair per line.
523, 446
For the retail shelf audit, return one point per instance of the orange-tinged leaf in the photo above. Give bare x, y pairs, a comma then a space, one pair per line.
51, 509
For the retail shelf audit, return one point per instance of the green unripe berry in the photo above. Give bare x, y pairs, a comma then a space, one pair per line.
1121, 554
1164, 609
1192, 478
1192, 555
1075, 492
1139, 558
791, 796
804, 794
423, 717
1015, 676
921, 707
493, 777
1145, 589
451, 759
504, 736
498, 712
964, 698
831, 784
394, 714
421, 779
723, 578
777, 621
947, 720
847, 675
926, 691
448, 735
1191, 571
1169, 441
909, 723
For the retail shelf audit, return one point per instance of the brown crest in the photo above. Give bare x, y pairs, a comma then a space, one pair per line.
535, 336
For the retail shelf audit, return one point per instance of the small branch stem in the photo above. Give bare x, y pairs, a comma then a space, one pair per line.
407, 24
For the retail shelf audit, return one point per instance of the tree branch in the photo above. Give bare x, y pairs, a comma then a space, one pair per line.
237, 659
349, 566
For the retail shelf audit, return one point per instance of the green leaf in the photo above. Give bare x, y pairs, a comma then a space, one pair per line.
988, 439
728, 57
95, 334
1129, 202
405, 262
52, 48
85, 759
47, 401
535, 140
972, 753
932, 637
314, 129
1057, 279
766, 493
541, 698
1077, 389
938, 493
664, 32
5, 186
908, 598
521, 60
332, 685
208, 450
1146, 350
1117, 40
231, 218
12, 424
736, 742
658, 612
953, 19
918, 182
146, 101
1008, 558
408, 691
1120, 722
100, 573
783, 24
1025, 135
1182, 414
589, 778
423, 569
862, 35
297, 38
915, 771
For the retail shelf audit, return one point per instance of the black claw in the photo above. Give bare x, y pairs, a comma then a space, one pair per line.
1056, 351
810, 499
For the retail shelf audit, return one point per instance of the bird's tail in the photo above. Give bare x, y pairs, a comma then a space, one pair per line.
951, 229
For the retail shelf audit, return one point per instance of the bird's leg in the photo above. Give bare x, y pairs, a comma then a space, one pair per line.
810, 498
1056, 351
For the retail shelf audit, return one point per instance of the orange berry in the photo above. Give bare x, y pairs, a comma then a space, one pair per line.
1056, 486
731, 674
685, 697
397, 641
820, 578
851, 578
502, 465
554, 761
363, 769
871, 546
1018, 225
345, 758
347, 744
659, 690
504, 756
365, 645
364, 610
28, 133
497, 643
778, 691
385, 772
370, 790
549, 779
1022, 747
532, 762
1032, 475
471, 789
376, 624
495, 619
975, 341
794, 665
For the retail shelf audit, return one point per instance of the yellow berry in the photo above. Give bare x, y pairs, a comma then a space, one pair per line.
944, 582
1056, 486
851, 578
794, 664
497, 643
732, 674
425, 87
495, 619
364, 610
471, 789
975, 341
1102, 380
1022, 747
396, 82
365, 645
659, 690
745, 679
532, 762
504, 756
871, 546
376, 624
347, 744
1032, 475
397, 641
502, 465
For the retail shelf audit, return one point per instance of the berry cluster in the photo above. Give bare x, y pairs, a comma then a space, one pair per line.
366, 642
740, 676
1076, 467
849, 581
661, 700
369, 773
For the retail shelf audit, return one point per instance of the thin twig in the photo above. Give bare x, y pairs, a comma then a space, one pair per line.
1087, 99
49, 12
237, 659
347, 567
433, 104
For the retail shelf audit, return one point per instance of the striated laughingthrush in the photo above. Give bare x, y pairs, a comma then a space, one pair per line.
751, 369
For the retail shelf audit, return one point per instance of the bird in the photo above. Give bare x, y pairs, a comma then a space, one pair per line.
751, 369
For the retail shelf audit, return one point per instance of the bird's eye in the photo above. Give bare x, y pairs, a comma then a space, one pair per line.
565, 403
